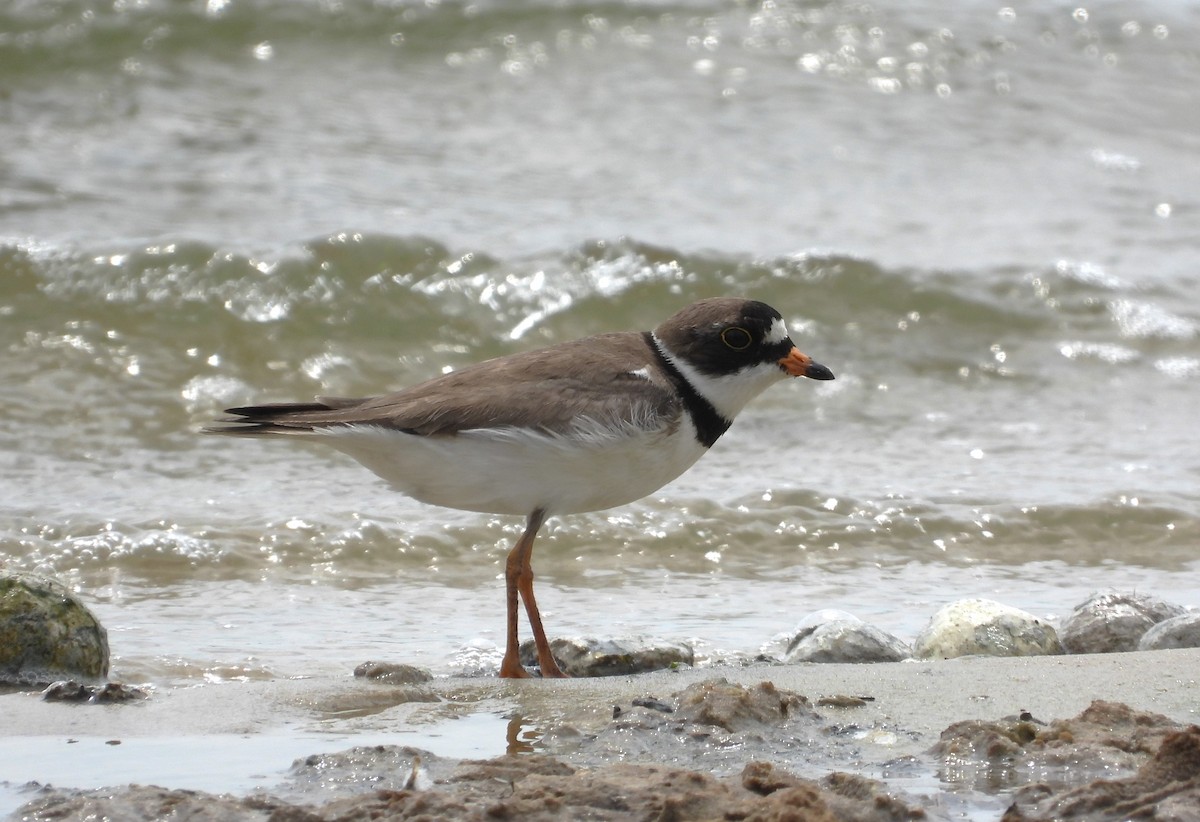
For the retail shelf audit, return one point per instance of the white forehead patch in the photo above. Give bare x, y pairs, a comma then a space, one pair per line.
777, 333
643, 372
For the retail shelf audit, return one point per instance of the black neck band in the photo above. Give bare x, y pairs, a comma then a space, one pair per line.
710, 425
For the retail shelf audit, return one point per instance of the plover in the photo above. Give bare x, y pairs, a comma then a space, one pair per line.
579, 426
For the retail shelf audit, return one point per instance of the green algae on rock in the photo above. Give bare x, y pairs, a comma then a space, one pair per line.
47, 633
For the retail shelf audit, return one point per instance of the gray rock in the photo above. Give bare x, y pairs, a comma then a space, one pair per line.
150, 802
1114, 621
107, 694
340, 774
393, 673
1182, 631
612, 657
735, 708
47, 634
981, 626
836, 636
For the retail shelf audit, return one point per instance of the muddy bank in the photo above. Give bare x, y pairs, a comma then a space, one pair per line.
525, 788
973, 737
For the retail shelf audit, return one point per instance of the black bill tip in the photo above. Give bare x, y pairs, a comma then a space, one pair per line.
816, 371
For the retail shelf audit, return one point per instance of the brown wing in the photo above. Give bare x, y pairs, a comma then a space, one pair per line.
550, 389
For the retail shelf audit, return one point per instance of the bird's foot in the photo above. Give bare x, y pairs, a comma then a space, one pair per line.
552, 671
512, 669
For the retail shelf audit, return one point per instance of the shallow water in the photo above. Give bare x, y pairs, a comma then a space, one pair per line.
216, 763
983, 220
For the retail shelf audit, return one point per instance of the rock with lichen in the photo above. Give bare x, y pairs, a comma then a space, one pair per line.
48, 634
1181, 631
836, 636
586, 657
1114, 621
987, 628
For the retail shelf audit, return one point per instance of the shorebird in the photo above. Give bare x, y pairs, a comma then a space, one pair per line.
580, 426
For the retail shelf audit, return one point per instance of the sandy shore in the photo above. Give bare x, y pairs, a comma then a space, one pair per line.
242, 737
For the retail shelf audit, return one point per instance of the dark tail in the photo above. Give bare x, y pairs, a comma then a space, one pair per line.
278, 418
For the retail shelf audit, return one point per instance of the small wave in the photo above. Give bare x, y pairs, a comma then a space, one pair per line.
294, 548
1139, 319
758, 537
386, 296
1179, 367
1105, 352
82, 548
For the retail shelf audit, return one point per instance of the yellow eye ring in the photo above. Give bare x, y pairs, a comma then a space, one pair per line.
737, 338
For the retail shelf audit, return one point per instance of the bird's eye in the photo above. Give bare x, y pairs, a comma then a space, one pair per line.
738, 339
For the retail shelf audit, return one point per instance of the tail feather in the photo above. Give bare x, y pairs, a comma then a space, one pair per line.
338, 402
276, 419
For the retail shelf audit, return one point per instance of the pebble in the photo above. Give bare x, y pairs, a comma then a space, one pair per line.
47, 635
836, 636
1114, 621
106, 694
1182, 631
734, 708
393, 673
613, 657
981, 626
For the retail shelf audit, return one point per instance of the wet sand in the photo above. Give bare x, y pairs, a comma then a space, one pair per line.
241, 737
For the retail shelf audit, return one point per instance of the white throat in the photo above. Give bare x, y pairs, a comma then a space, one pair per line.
728, 393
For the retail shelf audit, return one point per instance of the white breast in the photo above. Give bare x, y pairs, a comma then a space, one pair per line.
514, 471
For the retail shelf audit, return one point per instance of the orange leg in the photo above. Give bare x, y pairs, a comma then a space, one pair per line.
518, 577
510, 667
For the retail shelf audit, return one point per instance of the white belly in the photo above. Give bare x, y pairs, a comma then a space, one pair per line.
514, 471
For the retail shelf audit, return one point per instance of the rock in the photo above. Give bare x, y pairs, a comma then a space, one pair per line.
1106, 738
533, 787
843, 701
325, 776
736, 708
407, 685
852, 797
1166, 788
112, 692
1113, 621
393, 673
135, 802
621, 791
1182, 631
612, 657
365, 701
47, 634
981, 626
802, 796
836, 636
106, 694
67, 690
713, 719
837, 796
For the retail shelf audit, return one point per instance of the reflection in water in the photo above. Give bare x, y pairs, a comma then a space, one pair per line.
523, 736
